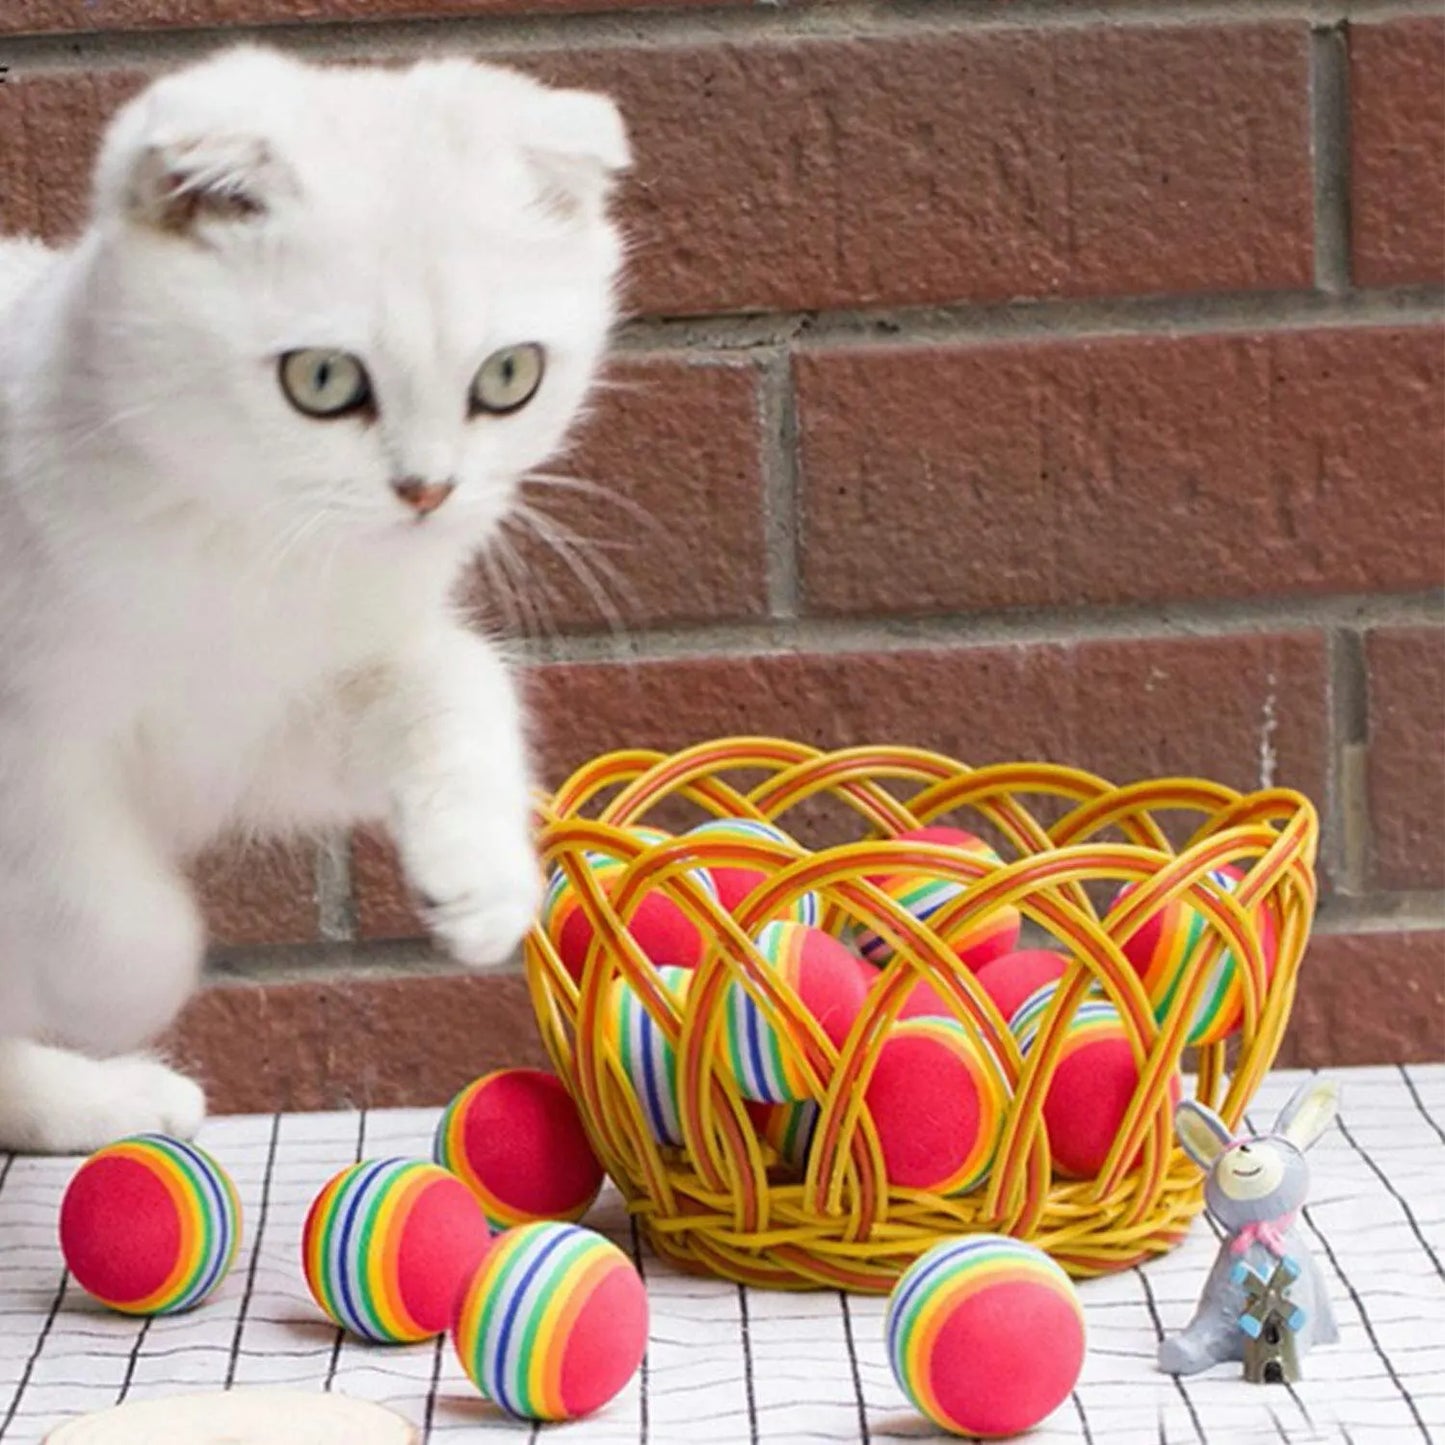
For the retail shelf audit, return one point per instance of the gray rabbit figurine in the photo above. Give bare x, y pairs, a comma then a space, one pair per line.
1255, 1189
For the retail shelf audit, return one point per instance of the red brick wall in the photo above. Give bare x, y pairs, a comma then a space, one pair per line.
998, 382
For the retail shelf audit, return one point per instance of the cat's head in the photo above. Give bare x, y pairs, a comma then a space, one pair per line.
363, 301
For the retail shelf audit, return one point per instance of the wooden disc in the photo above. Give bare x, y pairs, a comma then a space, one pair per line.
239, 1417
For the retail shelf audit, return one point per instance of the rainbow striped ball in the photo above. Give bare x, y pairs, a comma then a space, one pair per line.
553, 1323
938, 1101
658, 926
559, 901
387, 1245
791, 1129
825, 978
150, 1225
979, 942
648, 1058
985, 1335
1094, 1079
735, 881
1161, 949
515, 1139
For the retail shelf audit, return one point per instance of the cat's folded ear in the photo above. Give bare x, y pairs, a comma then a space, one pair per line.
577, 144
184, 157
187, 186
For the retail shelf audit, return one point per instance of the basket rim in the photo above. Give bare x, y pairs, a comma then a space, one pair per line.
792, 759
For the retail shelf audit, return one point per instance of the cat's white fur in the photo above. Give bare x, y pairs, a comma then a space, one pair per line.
215, 613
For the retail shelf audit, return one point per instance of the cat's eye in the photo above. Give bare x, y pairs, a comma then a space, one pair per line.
323, 383
508, 379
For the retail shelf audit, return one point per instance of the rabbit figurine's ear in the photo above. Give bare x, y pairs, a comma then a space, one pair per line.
1310, 1111
1204, 1135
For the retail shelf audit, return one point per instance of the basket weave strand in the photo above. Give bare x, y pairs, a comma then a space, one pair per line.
721, 1203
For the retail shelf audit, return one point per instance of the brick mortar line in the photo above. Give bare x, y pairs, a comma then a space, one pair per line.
1348, 818
1330, 154
1418, 912
335, 904
348, 37
778, 421
1066, 625
1331, 854
1042, 321
325, 962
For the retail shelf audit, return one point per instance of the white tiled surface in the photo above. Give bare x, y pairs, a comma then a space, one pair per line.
728, 1366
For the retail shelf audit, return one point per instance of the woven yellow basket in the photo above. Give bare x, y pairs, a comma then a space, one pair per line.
718, 1204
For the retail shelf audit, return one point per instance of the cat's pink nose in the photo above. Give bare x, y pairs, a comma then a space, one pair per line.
422, 497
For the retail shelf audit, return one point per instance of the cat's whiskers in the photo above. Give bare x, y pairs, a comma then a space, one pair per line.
289, 541
478, 615
559, 531
66, 445
608, 496
592, 573
312, 511
532, 595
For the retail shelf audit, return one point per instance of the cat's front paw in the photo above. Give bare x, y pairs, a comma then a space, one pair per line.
61, 1103
154, 1098
482, 930
485, 924
478, 897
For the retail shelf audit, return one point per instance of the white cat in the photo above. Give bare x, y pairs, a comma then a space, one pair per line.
320, 326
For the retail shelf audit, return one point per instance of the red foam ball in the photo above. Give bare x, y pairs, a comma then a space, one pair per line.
937, 1102
985, 939
1086, 1104
734, 884
124, 1264
1094, 1078
150, 1225
553, 1323
608, 1343
659, 926
923, 1002
386, 1246
1000, 1374
829, 985
515, 1139
442, 1243
661, 929
985, 1335
1009, 980
829, 979
1158, 950
984, 943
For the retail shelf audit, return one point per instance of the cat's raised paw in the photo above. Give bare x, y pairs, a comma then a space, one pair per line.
482, 928
479, 885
